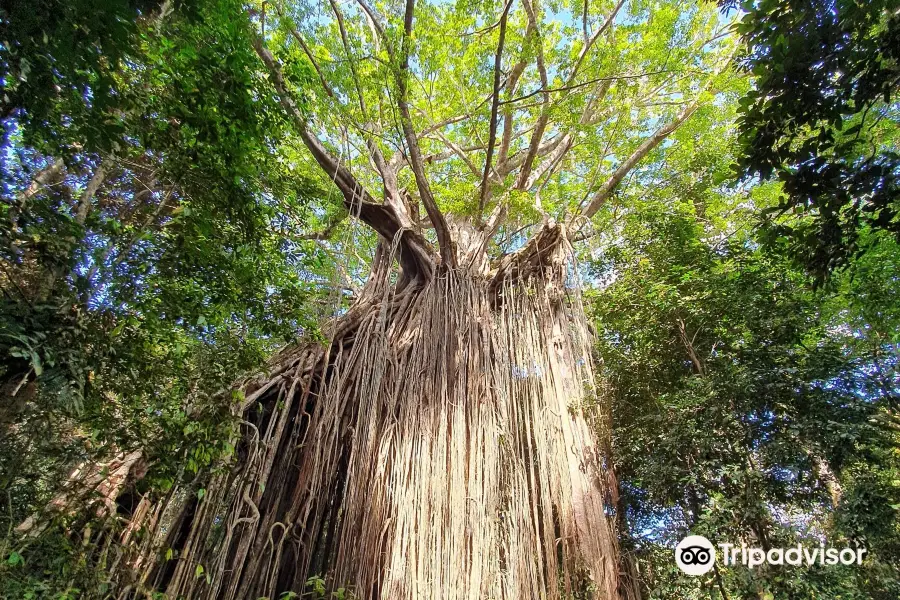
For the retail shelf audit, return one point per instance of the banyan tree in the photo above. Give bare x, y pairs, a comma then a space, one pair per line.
448, 438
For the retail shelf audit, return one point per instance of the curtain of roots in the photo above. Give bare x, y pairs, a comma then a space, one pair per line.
446, 448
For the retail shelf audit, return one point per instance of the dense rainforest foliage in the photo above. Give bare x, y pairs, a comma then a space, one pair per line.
727, 175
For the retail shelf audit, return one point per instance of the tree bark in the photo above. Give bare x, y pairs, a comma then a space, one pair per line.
439, 446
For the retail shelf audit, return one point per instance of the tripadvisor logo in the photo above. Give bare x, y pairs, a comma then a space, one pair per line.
695, 555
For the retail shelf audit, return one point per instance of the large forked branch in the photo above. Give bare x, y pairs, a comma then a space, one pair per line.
606, 190
416, 258
590, 42
445, 241
392, 195
388, 176
495, 105
544, 116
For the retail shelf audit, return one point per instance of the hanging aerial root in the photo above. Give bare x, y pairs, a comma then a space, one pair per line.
444, 448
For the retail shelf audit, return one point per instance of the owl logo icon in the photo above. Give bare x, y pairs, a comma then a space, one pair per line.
695, 555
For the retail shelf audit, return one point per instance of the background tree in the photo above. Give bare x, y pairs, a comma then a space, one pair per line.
822, 119
745, 406
157, 242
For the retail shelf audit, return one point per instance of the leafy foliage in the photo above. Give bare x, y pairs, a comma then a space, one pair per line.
822, 119
744, 407
58, 64
125, 313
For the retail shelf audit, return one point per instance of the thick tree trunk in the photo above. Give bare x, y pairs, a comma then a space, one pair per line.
442, 446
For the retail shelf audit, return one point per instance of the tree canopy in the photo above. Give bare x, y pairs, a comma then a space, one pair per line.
194, 190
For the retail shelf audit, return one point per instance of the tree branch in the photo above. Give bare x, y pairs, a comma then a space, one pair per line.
544, 116
567, 140
517, 159
458, 118
319, 235
38, 182
445, 241
388, 176
575, 86
593, 38
492, 135
511, 83
460, 152
416, 257
606, 190
346, 43
584, 21
376, 24
87, 196
306, 50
